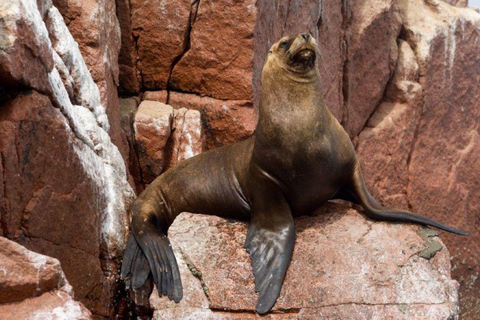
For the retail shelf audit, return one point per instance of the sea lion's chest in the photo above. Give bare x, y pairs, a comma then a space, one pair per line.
310, 159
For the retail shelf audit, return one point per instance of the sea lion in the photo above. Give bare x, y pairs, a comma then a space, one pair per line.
298, 158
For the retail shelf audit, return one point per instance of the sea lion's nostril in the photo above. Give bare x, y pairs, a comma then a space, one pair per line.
305, 36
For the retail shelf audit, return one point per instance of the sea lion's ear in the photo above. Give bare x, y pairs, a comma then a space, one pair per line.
270, 52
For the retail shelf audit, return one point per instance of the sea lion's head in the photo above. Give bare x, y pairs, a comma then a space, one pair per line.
296, 55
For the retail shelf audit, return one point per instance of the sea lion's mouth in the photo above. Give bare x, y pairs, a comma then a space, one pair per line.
303, 59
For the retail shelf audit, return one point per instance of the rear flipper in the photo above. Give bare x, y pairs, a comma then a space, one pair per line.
374, 211
149, 250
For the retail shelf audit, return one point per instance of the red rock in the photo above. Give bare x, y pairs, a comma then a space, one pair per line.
371, 35
129, 76
341, 263
25, 274
422, 154
160, 30
33, 286
160, 96
224, 121
94, 26
332, 55
219, 61
50, 305
153, 126
187, 138
128, 108
23, 45
62, 175
384, 145
444, 162
46, 188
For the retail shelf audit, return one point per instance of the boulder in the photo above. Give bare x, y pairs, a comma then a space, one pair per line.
95, 27
129, 81
224, 121
217, 60
342, 263
160, 32
420, 148
187, 139
152, 127
160, 96
61, 173
128, 108
33, 286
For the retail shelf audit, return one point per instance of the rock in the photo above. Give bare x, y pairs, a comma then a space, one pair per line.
26, 47
342, 263
152, 126
404, 86
373, 28
128, 108
422, 153
384, 145
94, 26
62, 175
160, 96
459, 3
444, 167
25, 274
331, 39
217, 60
129, 76
224, 121
33, 286
160, 37
187, 139
164, 136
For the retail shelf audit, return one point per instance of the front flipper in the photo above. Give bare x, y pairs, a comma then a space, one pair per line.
149, 250
135, 267
270, 240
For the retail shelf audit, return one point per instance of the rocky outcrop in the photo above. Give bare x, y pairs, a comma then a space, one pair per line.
420, 148
399, 75
94, 26
395, 74
65, 190
187, 138
339, 266
208, 52
164, 136
225, 122
217, 60
33, 286
152, 126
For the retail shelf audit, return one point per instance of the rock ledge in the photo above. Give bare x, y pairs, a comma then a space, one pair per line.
342, 264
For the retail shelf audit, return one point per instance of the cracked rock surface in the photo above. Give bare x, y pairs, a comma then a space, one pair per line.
64, 184
342, 264
33, 286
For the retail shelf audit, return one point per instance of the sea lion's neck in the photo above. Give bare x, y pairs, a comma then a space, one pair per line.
291, 101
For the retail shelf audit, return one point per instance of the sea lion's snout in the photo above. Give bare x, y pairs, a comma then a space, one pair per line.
302, 53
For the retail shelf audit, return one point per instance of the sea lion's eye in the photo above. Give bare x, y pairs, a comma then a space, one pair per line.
283, 44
